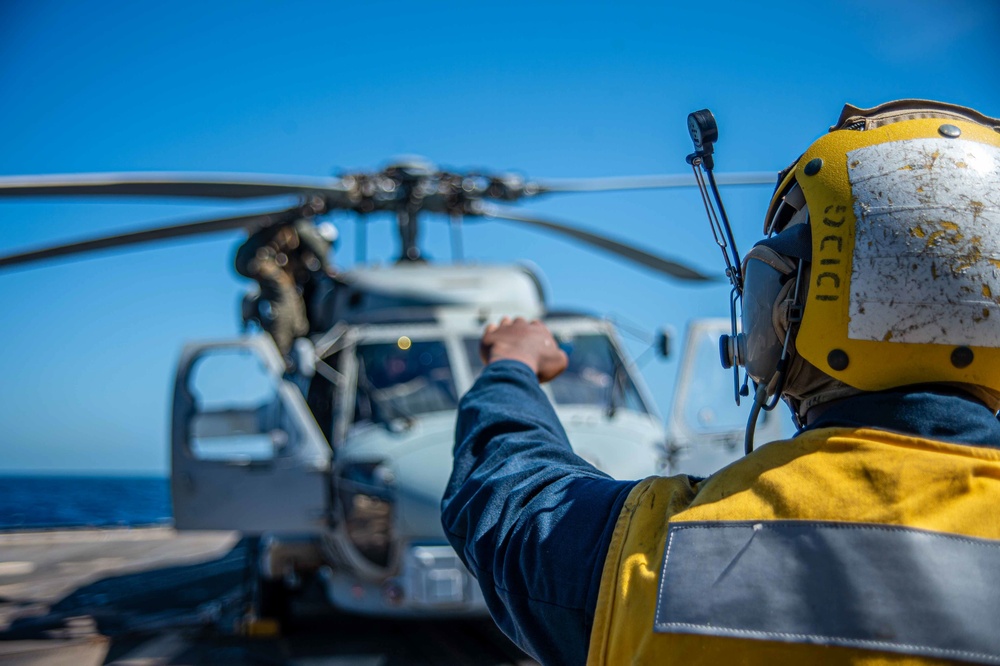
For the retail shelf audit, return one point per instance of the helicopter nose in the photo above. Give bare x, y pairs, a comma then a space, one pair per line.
617, 450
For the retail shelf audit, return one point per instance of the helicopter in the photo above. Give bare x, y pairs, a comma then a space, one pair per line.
335, 462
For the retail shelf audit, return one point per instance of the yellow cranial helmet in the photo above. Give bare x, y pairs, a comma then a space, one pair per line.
894, 219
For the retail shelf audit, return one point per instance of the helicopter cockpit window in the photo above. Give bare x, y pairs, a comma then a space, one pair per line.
238, 413
596, 374
403, 379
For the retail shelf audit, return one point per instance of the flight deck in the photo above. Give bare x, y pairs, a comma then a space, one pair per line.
152, 596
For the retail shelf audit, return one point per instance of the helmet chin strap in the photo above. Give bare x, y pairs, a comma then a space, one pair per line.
767, 396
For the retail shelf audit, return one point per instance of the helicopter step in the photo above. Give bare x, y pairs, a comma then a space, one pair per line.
154, 595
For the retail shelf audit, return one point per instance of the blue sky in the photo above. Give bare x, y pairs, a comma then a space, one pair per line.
551, 89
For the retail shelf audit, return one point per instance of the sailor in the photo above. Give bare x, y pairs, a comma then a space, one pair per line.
873, 535
283, 259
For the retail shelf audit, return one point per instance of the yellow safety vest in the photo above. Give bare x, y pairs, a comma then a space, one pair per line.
814, 489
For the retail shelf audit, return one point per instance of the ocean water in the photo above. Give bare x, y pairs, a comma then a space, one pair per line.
28, 502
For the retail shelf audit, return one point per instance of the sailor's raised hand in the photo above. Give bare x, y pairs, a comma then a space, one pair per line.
530, 342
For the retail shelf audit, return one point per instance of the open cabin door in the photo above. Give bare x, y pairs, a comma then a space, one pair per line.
246, 453
705, 427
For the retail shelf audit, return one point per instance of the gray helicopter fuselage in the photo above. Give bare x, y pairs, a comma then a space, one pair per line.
354, 497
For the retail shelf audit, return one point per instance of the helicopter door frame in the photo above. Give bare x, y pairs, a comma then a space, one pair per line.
347, 391
282, 486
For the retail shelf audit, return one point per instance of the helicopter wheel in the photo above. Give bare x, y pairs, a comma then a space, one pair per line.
274, 603
268, 604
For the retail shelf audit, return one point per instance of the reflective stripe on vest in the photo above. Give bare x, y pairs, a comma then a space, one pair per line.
867, 586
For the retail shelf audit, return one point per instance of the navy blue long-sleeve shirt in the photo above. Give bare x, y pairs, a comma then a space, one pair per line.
533, 521
513, 510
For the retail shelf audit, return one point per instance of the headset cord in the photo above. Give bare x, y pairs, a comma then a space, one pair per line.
762, 394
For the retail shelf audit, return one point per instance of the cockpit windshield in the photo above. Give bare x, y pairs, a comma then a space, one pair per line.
402, 379
596, 374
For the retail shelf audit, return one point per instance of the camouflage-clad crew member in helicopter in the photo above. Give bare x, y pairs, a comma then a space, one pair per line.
872, 536
282, 258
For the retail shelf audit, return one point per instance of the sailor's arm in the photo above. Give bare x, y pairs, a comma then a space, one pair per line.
530, 518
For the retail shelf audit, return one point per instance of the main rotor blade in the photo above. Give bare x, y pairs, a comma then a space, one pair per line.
649, 260
147, 235
165, 184
649, 182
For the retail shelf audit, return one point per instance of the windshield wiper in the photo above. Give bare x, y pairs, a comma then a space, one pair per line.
617, 386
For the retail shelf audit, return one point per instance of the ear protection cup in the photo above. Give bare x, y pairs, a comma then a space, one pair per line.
767, 277
769, 272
